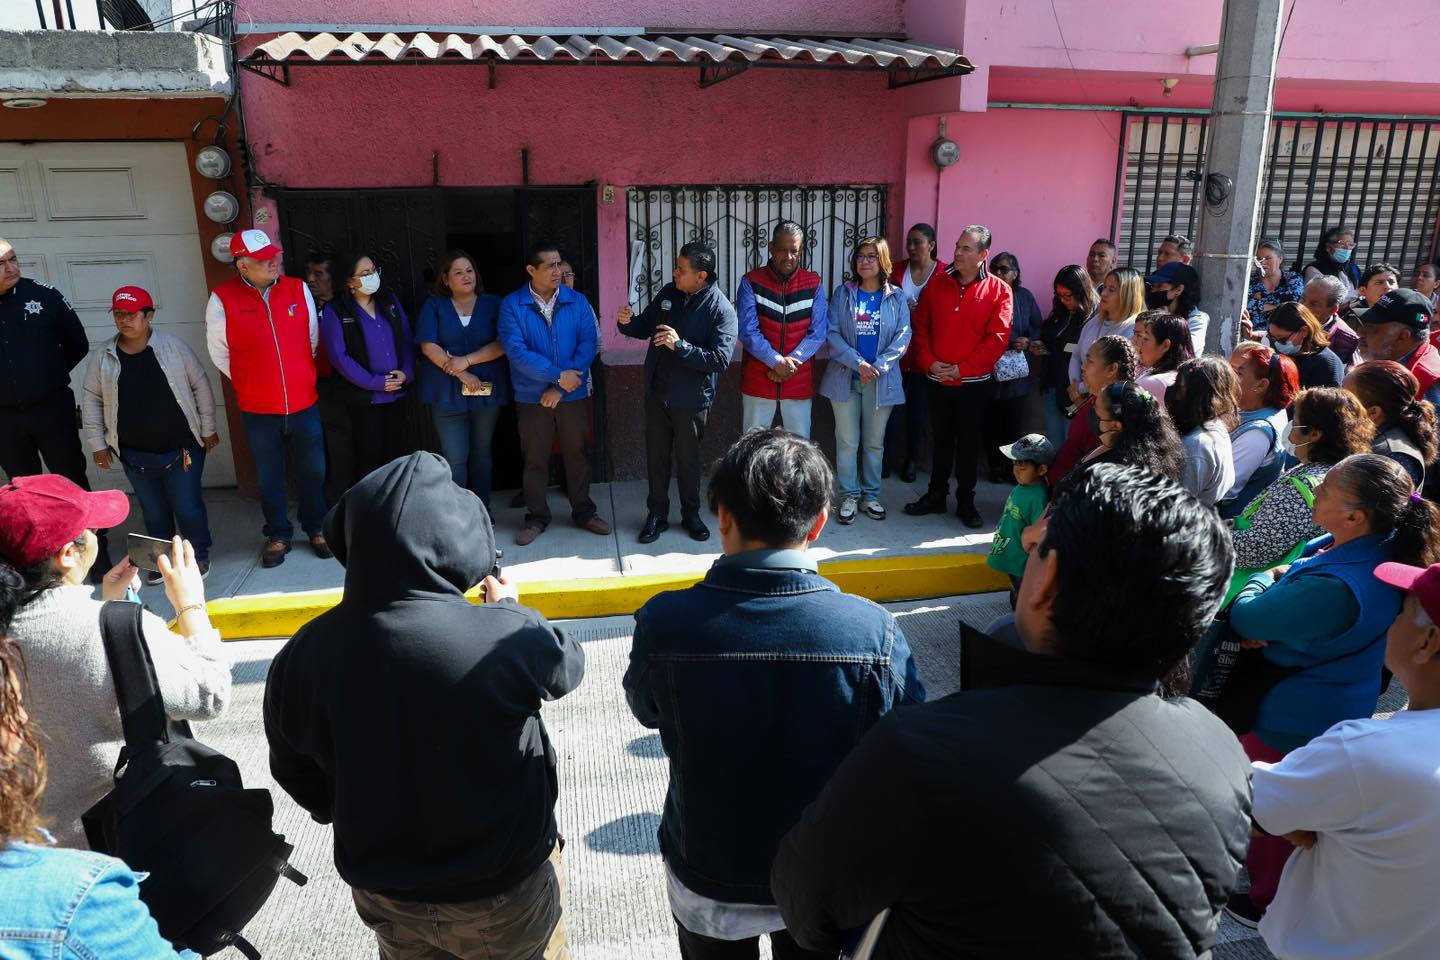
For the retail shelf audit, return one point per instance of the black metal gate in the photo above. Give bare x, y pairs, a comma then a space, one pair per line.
737, 222
1376, 176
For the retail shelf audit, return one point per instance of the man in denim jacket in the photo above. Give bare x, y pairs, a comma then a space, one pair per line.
760, 679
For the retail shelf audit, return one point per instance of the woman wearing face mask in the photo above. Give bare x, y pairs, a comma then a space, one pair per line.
1325, 619
1075, 302
1162, 342
1326, 426
54, 900
1202, 407
911, 275
1405, 428
1110, 359
1133, 430
1266, 384
1122, 299
1334, 258
366, 336
1296, 333
1002, 418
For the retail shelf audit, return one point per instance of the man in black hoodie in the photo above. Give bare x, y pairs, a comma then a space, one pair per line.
410, 719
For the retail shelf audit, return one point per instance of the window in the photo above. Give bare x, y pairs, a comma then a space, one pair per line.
737, 221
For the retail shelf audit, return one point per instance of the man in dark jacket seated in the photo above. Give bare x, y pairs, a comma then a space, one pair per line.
760, 679
410, 719
1057, 806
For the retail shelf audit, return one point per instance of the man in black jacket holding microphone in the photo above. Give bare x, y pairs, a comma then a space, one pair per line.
691, 327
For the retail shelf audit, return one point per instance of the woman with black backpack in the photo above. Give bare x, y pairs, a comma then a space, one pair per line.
366, 336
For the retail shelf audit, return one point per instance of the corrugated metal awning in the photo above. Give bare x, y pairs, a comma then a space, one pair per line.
718, 57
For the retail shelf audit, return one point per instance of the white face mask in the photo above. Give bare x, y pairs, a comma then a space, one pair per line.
1290, 446
370, 283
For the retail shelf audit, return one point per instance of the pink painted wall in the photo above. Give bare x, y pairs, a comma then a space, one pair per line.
1341, 40
613, 125
1041, 180
750, 16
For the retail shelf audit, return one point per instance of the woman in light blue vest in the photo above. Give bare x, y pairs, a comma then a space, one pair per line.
1325, 619
869, 332
1267, 384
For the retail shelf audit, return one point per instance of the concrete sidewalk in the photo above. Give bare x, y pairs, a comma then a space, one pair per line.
565, 552
613, 776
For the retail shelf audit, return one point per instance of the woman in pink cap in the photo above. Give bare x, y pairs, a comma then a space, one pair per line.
47, 536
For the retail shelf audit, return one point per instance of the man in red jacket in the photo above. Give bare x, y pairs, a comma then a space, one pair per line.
262, 331
960, 328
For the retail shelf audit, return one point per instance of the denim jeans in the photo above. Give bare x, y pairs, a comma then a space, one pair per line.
270, 435
173, 499
760, 412
466, 437
1057, 425
860, 427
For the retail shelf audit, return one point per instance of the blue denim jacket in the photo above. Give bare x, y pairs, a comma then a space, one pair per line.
760, 679
74, 905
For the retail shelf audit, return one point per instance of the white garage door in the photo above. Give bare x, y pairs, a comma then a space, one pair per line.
90, 217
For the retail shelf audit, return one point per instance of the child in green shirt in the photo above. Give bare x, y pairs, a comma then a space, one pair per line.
1032, 455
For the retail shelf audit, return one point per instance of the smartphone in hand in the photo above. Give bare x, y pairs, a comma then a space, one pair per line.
143, 551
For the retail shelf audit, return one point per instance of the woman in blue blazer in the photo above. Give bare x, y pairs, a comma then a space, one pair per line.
869, 333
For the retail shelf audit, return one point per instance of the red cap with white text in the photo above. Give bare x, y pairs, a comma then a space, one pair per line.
131, 300
252, 243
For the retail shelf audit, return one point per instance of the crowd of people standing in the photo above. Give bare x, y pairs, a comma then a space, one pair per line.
1250, 529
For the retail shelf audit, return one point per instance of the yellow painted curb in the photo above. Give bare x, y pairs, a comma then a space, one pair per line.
882, 579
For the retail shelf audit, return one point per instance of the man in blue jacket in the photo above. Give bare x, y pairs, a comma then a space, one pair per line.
797, 670
691, 328
549, 335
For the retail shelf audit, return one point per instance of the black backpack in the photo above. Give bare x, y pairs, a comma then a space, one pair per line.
180, 812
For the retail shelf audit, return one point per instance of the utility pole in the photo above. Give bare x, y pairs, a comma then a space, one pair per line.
1238, 131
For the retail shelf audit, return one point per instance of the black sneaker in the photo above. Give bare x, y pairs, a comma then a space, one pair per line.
1243, 910
929, 503
968, 514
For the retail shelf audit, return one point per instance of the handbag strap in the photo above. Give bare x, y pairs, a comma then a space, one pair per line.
137, 690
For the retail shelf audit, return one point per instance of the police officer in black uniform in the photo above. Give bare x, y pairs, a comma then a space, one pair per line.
41, 341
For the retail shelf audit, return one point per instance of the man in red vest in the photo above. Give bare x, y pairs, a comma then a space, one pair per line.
1397, 328
781, 311
262, 331
959, 329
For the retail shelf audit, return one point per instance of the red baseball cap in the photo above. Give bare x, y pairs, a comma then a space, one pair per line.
131, 300
1424, 582
252, 243
40, 514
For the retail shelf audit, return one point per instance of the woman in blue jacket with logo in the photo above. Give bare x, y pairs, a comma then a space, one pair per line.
1325, 620
466, 380
869, 332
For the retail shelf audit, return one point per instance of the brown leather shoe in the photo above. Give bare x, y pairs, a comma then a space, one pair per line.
321, 548
274, 553
596, 525
527, 535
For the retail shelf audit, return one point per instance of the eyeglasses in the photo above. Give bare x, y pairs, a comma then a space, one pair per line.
867, 257
368, 273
